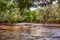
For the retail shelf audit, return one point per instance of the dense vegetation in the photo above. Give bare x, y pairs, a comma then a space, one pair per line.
12, 11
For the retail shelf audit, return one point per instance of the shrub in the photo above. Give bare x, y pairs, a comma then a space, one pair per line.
14, 15
48, 14
27, 15
38, 15
9, 11
52, 14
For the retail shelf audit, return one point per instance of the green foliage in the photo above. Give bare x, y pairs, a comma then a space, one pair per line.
5, 5
59, 3
10, 16
55, 15
18, 10
27, 15
24, 3
38, 15
9, 11
14, 15
52, 14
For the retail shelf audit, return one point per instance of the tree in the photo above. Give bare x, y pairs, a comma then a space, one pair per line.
24, 3
9, 12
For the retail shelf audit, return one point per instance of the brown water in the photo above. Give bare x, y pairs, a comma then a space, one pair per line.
28, 32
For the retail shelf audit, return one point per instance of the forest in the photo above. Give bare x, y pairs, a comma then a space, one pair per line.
18, 11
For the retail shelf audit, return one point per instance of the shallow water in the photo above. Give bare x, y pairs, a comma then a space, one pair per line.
29, 32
